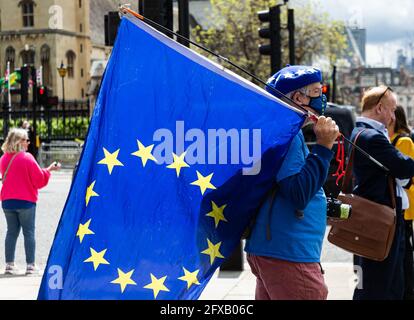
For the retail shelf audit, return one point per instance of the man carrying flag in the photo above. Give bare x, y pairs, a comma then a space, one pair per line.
284, 248
179, 154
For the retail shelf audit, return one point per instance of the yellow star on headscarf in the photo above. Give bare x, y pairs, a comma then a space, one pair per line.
217, 213
213, 251
179, 163
203, 182
83, 230
111, 160
90, 193
190, 277
124, 279
157, 285
144, 153
97, 258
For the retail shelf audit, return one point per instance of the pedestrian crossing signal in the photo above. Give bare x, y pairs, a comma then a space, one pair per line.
326, 90
42, 96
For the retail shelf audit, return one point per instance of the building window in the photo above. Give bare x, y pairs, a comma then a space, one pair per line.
83, 93
81, 48
70, 56
28, 57
10, 57
27, 13
82, 73
81, 27
45, 62
80, 3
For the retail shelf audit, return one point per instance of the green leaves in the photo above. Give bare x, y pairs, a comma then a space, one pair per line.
231, 29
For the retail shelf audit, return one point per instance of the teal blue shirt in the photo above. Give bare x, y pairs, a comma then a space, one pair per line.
300, 181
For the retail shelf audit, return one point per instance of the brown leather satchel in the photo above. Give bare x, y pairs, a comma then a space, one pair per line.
369, 232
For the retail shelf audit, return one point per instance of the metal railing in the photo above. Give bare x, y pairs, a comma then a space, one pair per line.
65, 152
62, 122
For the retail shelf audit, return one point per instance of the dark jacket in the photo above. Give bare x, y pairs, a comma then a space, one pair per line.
370, 180
381, 280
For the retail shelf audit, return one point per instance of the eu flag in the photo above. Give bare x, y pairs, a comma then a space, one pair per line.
179, 154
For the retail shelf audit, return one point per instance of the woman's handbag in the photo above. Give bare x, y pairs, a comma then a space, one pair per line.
369, 232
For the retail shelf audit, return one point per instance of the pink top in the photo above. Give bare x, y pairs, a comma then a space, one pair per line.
24, 177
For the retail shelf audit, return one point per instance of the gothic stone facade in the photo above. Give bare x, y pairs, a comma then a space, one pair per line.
46, 33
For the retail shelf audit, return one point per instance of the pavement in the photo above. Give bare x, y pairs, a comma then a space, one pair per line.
224, 285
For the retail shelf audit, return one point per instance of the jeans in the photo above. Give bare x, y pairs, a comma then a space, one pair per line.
17, 219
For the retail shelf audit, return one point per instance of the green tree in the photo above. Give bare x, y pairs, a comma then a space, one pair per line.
233, 32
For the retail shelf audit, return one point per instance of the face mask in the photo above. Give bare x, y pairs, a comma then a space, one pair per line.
318, 103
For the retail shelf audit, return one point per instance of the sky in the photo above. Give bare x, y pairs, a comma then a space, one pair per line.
389, 25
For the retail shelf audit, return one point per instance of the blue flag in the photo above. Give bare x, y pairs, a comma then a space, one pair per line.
179, 154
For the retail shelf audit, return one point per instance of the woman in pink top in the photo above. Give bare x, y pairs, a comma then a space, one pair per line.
22, 178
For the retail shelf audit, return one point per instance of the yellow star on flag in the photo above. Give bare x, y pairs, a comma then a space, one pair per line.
203, 182
157, 285
178, 163
217, 213
213, 251
90, 193
190, 277
124, 279
97, 258
83, 230
111, 160
144, 153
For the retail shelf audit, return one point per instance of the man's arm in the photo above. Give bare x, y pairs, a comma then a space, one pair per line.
378, 146
302, 187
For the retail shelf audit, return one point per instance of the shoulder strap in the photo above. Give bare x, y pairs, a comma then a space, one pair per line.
348, 174
269, 212
8, 167
392, 192
394, 142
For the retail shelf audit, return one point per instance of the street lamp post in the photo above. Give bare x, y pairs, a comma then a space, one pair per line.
62, 72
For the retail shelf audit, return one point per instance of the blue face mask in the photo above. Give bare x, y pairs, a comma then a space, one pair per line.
318, 103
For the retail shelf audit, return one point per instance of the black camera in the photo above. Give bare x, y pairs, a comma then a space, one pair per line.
336, 209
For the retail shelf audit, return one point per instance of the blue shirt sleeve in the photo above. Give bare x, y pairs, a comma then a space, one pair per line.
299, 179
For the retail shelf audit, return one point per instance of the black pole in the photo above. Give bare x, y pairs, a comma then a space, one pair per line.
275, 39
291, 28
34, 107
283, 97
63, 105
49, 124
5, 116
334, 85
184, 22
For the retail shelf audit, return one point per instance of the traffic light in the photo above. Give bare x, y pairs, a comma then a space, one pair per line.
24, 86
326, 90
271, 32
112, 21
42, 96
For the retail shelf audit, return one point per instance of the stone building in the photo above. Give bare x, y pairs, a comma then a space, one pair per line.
46, 33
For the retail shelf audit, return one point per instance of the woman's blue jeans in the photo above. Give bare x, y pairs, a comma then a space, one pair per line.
20, 219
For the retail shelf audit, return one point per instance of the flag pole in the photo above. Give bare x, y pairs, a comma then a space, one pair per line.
124, 9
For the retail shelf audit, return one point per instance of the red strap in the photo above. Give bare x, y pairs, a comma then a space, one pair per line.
340, 158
